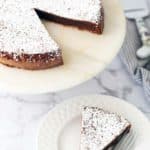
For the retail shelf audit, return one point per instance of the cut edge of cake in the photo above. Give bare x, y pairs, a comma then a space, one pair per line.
96, 28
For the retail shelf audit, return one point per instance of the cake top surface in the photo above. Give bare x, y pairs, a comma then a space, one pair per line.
100, 128
21, 30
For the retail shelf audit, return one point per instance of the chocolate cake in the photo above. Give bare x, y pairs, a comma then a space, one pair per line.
25, 42
101, 130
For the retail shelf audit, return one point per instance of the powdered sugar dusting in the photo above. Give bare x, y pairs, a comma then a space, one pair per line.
21, 30
100, 128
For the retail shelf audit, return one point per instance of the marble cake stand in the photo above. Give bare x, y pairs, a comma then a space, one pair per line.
85, 54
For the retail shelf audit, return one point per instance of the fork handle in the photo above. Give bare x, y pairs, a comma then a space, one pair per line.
143, 31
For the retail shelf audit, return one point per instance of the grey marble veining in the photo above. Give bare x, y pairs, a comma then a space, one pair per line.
20, 115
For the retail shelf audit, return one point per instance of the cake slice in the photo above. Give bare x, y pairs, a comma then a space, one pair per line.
101, 130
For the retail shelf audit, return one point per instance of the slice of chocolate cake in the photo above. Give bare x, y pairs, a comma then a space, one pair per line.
101, 130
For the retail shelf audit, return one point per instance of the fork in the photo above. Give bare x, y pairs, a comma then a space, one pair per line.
127, 143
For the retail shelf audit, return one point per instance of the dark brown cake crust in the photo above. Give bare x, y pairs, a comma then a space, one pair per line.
83, 25
31, 62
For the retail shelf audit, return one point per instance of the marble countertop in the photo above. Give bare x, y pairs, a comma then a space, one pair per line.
20, 116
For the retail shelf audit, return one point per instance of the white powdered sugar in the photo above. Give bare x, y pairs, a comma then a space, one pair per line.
21, 30
100, 128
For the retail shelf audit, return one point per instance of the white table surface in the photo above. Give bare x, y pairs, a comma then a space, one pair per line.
20, 115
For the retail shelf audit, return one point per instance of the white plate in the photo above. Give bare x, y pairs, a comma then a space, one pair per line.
85, 54
60, 130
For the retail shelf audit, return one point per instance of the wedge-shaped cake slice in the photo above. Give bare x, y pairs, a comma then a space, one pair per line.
101, 130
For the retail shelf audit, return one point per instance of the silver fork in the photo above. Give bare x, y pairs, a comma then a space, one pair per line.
128, 142
138, 10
